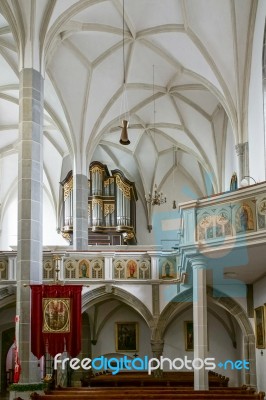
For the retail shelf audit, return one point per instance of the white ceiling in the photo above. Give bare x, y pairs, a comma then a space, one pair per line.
200, 50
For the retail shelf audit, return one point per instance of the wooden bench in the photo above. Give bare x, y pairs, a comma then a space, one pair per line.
177, 378
146, 393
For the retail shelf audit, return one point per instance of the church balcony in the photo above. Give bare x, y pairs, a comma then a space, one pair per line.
101, 265
228, 229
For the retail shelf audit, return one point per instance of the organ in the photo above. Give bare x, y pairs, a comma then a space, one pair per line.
111, 207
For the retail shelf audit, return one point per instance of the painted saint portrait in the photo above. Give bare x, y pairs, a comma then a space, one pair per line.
132, 269
244, 219
56, 315
84, 269
167, 271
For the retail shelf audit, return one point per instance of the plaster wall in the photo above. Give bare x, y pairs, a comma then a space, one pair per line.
220, 344
106, 342
255, 102
260, 300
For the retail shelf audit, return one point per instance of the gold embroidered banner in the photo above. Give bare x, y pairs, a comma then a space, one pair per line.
56, 315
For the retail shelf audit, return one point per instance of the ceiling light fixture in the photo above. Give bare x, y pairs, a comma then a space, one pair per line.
156, 198
174, 164
124, 104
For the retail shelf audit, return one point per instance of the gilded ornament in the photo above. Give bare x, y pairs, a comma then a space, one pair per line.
126, 189
108, 209
68, 187
66, 236
97, 201
108, 182
97, 169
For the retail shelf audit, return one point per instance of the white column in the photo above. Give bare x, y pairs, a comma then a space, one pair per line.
30, 211
200, 321
108, 266
243, 160
155, 266
11, 268
80, 212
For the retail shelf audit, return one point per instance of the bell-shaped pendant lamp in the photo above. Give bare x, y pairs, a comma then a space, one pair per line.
124, 136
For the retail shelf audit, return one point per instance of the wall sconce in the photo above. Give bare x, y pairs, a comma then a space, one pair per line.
245, 181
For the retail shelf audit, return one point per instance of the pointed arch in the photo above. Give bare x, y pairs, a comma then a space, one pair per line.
220, 299
98, 295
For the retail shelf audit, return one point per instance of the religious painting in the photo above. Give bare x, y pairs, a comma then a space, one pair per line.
244, 219
126, 336
189, 339
84, 269
132, 268
56, 315
260, 327
168, 271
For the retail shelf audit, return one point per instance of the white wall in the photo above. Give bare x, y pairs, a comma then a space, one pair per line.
220, 344
259, 300
10, 225
181, 191
106, 342
255, 106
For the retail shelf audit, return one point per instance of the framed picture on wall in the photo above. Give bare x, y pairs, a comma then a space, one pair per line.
189, 339
126, 336
259, 315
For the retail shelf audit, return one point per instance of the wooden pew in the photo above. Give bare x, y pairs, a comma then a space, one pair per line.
149, 393
177, 378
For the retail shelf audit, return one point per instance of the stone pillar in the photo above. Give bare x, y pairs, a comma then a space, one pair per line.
243, 160
200, 321
77, 376
250, 377
30, 205
157, 350
156, 300
80, 212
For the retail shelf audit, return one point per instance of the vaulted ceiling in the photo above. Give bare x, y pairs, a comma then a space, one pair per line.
182, 118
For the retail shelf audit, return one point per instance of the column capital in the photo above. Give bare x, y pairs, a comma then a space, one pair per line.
157, 346
241, 148
198, 262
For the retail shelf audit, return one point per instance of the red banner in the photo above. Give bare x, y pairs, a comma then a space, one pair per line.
55, 319
17, 366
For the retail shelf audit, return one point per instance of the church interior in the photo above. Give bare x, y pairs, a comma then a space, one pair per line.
133, 167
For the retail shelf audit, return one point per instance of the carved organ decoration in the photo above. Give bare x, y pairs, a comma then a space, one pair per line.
67, 187
111, 206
